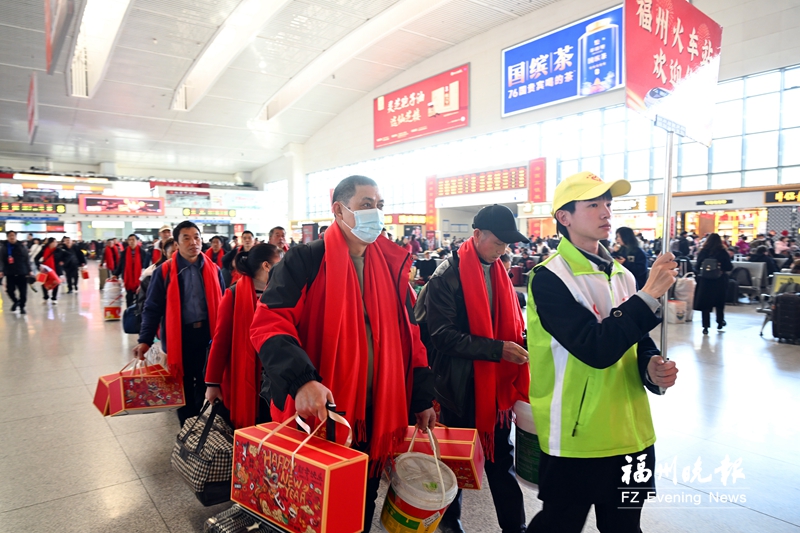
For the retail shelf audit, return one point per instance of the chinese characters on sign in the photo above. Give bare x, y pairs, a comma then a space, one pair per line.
201, 212
434, 105
672, 64
780, 197
537, 191
578, 60
494, 180
20, 207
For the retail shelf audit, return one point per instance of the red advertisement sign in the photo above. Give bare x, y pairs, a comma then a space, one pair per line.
89, 204
537, 190
434, 105
672, 64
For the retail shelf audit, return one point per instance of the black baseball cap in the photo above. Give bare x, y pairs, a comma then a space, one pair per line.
499, 220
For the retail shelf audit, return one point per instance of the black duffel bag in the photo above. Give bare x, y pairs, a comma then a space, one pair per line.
203, 455
131, 320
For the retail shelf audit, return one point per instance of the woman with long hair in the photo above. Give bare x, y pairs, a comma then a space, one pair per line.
50, 256
167, 248
233, 371
713, 266
631, 255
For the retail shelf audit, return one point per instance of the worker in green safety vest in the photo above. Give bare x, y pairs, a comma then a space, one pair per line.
591, 361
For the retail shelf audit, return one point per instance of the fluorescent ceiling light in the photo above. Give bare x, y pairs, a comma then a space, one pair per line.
231, 38
99, 30
57, 179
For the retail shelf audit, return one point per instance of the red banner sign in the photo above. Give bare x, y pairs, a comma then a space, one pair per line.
672, 64
537, 191
434, 105
107, 205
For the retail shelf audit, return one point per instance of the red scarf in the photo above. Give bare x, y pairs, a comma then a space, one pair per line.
235, 274
111, 257
156, 254
497, 386
174, 324
48, 257
334, 305
220, 254
133, 269
245, 367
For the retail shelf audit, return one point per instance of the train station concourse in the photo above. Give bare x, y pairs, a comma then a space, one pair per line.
414, 266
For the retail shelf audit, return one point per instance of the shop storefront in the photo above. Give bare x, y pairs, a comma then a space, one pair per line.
540, 222
640, 213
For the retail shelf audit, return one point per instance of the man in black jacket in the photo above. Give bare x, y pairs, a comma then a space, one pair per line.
458, 350
16, 269
73, 260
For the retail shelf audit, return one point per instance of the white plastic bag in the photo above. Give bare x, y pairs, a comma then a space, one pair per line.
155, 355
684, 291
676, 312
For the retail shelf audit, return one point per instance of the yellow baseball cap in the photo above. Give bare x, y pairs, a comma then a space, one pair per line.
586, 186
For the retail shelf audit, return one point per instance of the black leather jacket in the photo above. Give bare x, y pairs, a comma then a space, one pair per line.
452, 349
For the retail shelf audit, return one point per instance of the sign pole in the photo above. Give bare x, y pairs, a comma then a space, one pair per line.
665, 236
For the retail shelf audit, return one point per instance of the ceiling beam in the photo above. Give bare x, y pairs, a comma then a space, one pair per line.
326, 64
234, 35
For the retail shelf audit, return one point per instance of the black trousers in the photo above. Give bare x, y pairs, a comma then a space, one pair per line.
72, 277
503, 484
568, 488
195, 345
45, 293
707, 315
130, 299
17, 283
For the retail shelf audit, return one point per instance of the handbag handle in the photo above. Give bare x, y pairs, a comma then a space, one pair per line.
302, 423
208, 425
436, 458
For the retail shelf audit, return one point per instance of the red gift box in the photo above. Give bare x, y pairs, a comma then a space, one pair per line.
460, 450
48, 279
316, 487
149, 391
84, 274
101, 393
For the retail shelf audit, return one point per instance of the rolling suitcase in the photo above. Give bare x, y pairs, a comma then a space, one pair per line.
732, 293
516, 276
786, 318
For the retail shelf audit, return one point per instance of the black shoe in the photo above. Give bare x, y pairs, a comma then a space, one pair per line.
22, 311
69, 291
14, 307
705, 331
721, 325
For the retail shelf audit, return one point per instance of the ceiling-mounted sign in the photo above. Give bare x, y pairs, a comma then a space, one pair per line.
492, 180
582, 59
434, 105
33, 108
89, 204
32, 207
202, 212
187, 198
57, 17
672, 65
714, 202
782, 197
404, 219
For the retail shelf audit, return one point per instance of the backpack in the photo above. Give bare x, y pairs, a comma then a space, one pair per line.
710, 269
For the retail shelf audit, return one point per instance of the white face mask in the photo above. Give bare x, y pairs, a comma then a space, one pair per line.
369, 224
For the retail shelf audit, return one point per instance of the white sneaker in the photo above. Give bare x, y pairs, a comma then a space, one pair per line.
44, 302
54, 302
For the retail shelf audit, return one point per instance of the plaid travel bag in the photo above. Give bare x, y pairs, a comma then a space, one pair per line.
203, 455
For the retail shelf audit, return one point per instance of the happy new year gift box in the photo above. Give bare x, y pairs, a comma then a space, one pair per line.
148, 390
101, 393
316, 487
460, 450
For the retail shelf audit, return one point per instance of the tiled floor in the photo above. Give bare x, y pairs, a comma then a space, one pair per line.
65, 468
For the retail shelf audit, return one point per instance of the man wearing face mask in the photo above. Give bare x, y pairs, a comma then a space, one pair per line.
327, 330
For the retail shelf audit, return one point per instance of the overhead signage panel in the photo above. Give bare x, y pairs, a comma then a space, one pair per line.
434, 105
89, 204
579, 60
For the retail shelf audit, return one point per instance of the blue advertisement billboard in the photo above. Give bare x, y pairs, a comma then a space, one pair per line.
582, 59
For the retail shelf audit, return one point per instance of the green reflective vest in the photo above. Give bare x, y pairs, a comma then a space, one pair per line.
581, 411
